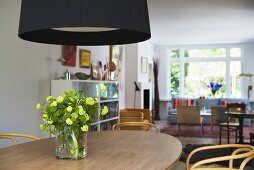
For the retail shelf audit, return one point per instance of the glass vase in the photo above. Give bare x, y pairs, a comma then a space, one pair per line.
71, 145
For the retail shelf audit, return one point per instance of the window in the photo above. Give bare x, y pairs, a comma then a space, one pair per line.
191, 70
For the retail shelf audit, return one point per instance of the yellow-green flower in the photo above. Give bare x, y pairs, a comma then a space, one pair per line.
89, 101
38, 106
69, 121
81, 112
80, 108
69, 109
49, 98
74, 115
87, 117
50, 122
84, 128
59, 99
96, 100
53, 104
45, 115
104, 110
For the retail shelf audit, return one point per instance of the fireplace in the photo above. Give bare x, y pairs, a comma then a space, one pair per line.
146, 99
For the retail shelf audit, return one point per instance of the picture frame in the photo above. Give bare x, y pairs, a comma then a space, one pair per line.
116, 56
84, 58
69, 55
144, 62
150, 67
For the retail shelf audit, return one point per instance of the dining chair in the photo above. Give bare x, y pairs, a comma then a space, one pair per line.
232, 123
13, 137
239, 152
142, 125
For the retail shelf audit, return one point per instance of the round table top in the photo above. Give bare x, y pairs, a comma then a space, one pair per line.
106, 150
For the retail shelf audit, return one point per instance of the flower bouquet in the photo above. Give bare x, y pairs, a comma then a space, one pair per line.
214, 87
69, 118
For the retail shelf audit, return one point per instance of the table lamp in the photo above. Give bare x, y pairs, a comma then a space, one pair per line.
250, 85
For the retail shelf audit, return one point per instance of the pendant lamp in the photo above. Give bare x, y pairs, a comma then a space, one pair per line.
84, 22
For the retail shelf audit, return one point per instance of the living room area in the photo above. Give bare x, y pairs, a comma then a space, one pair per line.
197, 63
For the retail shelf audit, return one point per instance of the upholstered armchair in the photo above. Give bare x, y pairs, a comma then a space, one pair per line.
188, 115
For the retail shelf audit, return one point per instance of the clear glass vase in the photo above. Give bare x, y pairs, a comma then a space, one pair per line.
70, 145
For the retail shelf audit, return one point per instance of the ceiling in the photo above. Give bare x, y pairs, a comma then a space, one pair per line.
176, 22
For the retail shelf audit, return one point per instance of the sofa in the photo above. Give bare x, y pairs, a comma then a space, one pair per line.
207, 103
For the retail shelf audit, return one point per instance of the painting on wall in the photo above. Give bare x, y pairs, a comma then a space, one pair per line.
84, 58
116, 56
150, 67
144, 62
69, 55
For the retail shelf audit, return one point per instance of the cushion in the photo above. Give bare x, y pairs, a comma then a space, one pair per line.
182, 102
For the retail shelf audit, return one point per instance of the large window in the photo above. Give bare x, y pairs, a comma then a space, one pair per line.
192, 70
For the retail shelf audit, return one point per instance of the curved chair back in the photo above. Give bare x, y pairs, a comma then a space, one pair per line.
242, 152
142, 125
13, 136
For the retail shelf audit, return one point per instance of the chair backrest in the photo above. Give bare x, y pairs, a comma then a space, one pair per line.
142, 125
239, 151
13, 137
147, 113
188, 114
236, 107
131, 116
218, 114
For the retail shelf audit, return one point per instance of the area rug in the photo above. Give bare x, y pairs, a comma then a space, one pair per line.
195, 131
206, 154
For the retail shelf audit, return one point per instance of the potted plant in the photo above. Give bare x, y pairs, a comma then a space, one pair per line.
69, 117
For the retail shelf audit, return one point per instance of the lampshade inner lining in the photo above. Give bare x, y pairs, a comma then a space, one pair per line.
85, 29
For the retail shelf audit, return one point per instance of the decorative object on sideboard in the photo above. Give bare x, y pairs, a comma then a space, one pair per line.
69, 55
84, 58
156, 116
250, 85
136, 89
144, 62
84, 22
82, 76
69, 117
94, 71
116, 56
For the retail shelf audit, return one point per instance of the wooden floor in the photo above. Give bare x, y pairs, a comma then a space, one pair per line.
181, 165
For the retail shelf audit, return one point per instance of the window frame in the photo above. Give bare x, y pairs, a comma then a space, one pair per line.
182, 60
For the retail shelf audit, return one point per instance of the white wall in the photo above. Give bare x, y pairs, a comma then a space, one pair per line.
134, 52
26, 69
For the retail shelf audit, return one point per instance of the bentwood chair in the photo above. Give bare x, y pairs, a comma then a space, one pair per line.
232, 124
13, 137
142, 125
239, 152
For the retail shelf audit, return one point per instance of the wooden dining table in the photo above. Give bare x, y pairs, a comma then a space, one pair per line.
240, 116
107, 150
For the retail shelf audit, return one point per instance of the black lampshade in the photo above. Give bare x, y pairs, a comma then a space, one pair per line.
84, 22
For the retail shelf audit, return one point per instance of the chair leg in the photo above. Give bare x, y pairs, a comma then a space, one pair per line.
220, 134
236, 134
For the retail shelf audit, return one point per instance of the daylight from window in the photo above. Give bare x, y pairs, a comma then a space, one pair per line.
192, 70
